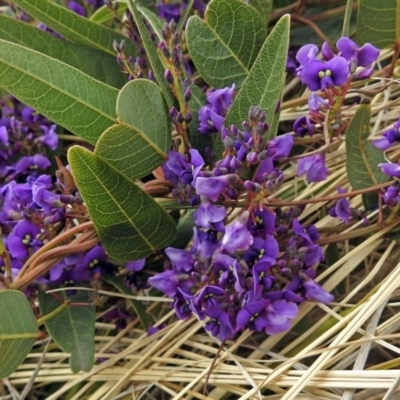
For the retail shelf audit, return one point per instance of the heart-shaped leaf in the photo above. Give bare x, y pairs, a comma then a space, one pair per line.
225, 45
72, 329
18, 330
62, 93
131, 225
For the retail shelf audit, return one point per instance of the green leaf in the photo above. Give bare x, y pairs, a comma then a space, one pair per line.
263, 86
264, 7
378, 22
74, 27
362, 157
73, 329
156, 64
131, 225
141, 140
63, 94
225, 45
153, 19
137, 306
18, 330
94, 63
104, 14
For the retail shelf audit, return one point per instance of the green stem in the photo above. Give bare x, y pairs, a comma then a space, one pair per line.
347, 17
184, 16
54, 313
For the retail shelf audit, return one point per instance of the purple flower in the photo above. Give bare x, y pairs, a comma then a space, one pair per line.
342, 208
50, 137
315, 102
280, 146
306, 53
390, 137
278, 314
182, 260
237, 237
43, 197
26, 164
77, 8
213, 186
221, 99
393, 170
169, 11
318, 75
220, 326
359, 56
210, 121
253, 316
314, 166
303, 126
208, 215
135, 266
93, 258
168, 282
316, 292
23, 238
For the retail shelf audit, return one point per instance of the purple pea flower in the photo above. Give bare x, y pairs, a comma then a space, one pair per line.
182, 260
342, 208
393, 170
169, 11
314, 166
213, 186
23, 238
44, 198
237, 237
357, 56
135, 266
306, 53
168, 282
278, 314
315, 102
220, 326
38, 161
390, 137
50, 137
208, 215
253, 316
318, 75
210, 121
316, 292
303, 126
93, 258
77, 8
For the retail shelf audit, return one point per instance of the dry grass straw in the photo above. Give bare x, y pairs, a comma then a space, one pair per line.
349, 350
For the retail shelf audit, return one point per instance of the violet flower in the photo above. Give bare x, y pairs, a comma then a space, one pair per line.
208, 215
220, 326
23, 238
314, 167
318, 75
390, 137
77, 8
357, 56
237, 237
393, 170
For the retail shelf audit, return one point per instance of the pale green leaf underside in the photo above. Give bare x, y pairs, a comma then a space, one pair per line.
131, 225
16, 318
74, 27
94, 63
263, 86
378, 22
62, 93
362, 157
72, 329
224, 46
141, 140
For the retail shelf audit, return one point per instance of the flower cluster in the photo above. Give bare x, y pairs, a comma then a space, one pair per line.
253, 272
336, 69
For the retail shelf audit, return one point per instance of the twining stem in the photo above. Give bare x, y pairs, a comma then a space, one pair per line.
54, 242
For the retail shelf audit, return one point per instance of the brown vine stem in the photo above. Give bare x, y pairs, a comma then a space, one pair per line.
54, 242
330, 198
52, 257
